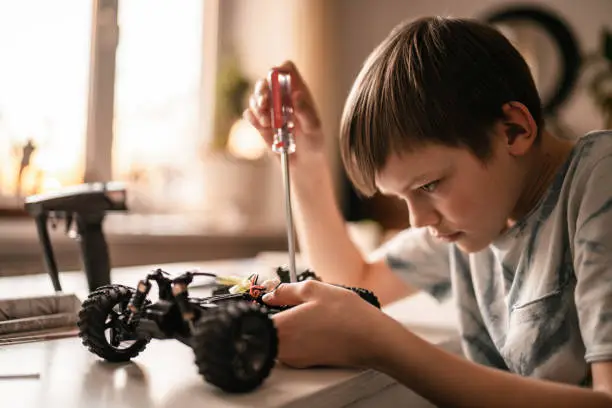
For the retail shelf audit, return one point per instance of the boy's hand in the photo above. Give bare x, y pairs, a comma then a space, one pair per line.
330, 326
307, 131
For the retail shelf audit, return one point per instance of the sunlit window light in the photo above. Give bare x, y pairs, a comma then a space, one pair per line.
157, 93
43, 83
245, 142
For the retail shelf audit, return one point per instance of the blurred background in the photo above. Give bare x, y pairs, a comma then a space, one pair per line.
150, 93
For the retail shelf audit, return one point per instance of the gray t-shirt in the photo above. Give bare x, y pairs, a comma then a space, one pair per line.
538, 300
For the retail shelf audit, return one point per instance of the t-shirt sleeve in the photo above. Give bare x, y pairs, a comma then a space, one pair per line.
419, 259
592, 243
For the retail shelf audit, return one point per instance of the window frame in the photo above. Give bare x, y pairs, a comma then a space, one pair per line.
105, 37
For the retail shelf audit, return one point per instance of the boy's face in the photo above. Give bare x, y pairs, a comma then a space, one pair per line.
454, 194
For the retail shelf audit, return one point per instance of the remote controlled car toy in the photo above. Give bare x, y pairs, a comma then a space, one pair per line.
232, 335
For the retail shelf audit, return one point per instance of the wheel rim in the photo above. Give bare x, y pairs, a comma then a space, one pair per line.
252, 348
114, 328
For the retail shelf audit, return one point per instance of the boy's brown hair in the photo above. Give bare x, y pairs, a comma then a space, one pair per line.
433, 80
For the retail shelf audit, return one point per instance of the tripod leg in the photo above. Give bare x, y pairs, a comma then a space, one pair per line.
94, 251
49, 258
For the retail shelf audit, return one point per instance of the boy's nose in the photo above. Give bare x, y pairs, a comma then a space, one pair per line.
422, 215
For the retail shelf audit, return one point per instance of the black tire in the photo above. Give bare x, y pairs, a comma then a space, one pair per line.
107, 302
282, 272
307, 275
235, 346
111, 286
365, 294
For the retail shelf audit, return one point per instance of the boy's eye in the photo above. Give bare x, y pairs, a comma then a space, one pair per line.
430, 187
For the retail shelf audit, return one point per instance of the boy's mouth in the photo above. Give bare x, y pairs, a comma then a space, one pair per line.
449, 237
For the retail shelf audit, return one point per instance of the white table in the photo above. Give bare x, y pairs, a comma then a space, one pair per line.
164, 375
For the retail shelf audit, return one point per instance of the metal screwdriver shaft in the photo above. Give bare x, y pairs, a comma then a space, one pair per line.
289, 216
282, 122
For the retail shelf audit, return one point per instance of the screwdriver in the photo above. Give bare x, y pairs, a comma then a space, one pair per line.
284, 144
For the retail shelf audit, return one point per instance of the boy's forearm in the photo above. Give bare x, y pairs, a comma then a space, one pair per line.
450, 381
322, 232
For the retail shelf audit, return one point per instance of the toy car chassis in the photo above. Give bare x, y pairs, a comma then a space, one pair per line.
232, 335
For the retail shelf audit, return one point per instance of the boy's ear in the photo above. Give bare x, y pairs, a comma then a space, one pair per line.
519, 127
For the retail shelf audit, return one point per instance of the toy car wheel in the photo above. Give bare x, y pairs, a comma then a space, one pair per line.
235, 346
103, 327
365, 294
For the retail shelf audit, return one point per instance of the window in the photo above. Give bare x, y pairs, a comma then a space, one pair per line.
157, 93
44, 92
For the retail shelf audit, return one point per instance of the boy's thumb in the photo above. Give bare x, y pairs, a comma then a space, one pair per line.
285, 294
305, 112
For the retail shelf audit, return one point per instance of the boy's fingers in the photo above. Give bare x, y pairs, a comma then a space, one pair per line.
305, 112
303, 102
296, 78
297, 82
263, 103
284, 295
262, 119
265, 132
261, 87
291, 294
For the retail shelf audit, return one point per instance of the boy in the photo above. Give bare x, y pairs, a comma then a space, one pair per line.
512, 221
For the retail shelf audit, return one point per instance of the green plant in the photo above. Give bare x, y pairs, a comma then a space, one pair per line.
231, 89
600, 82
